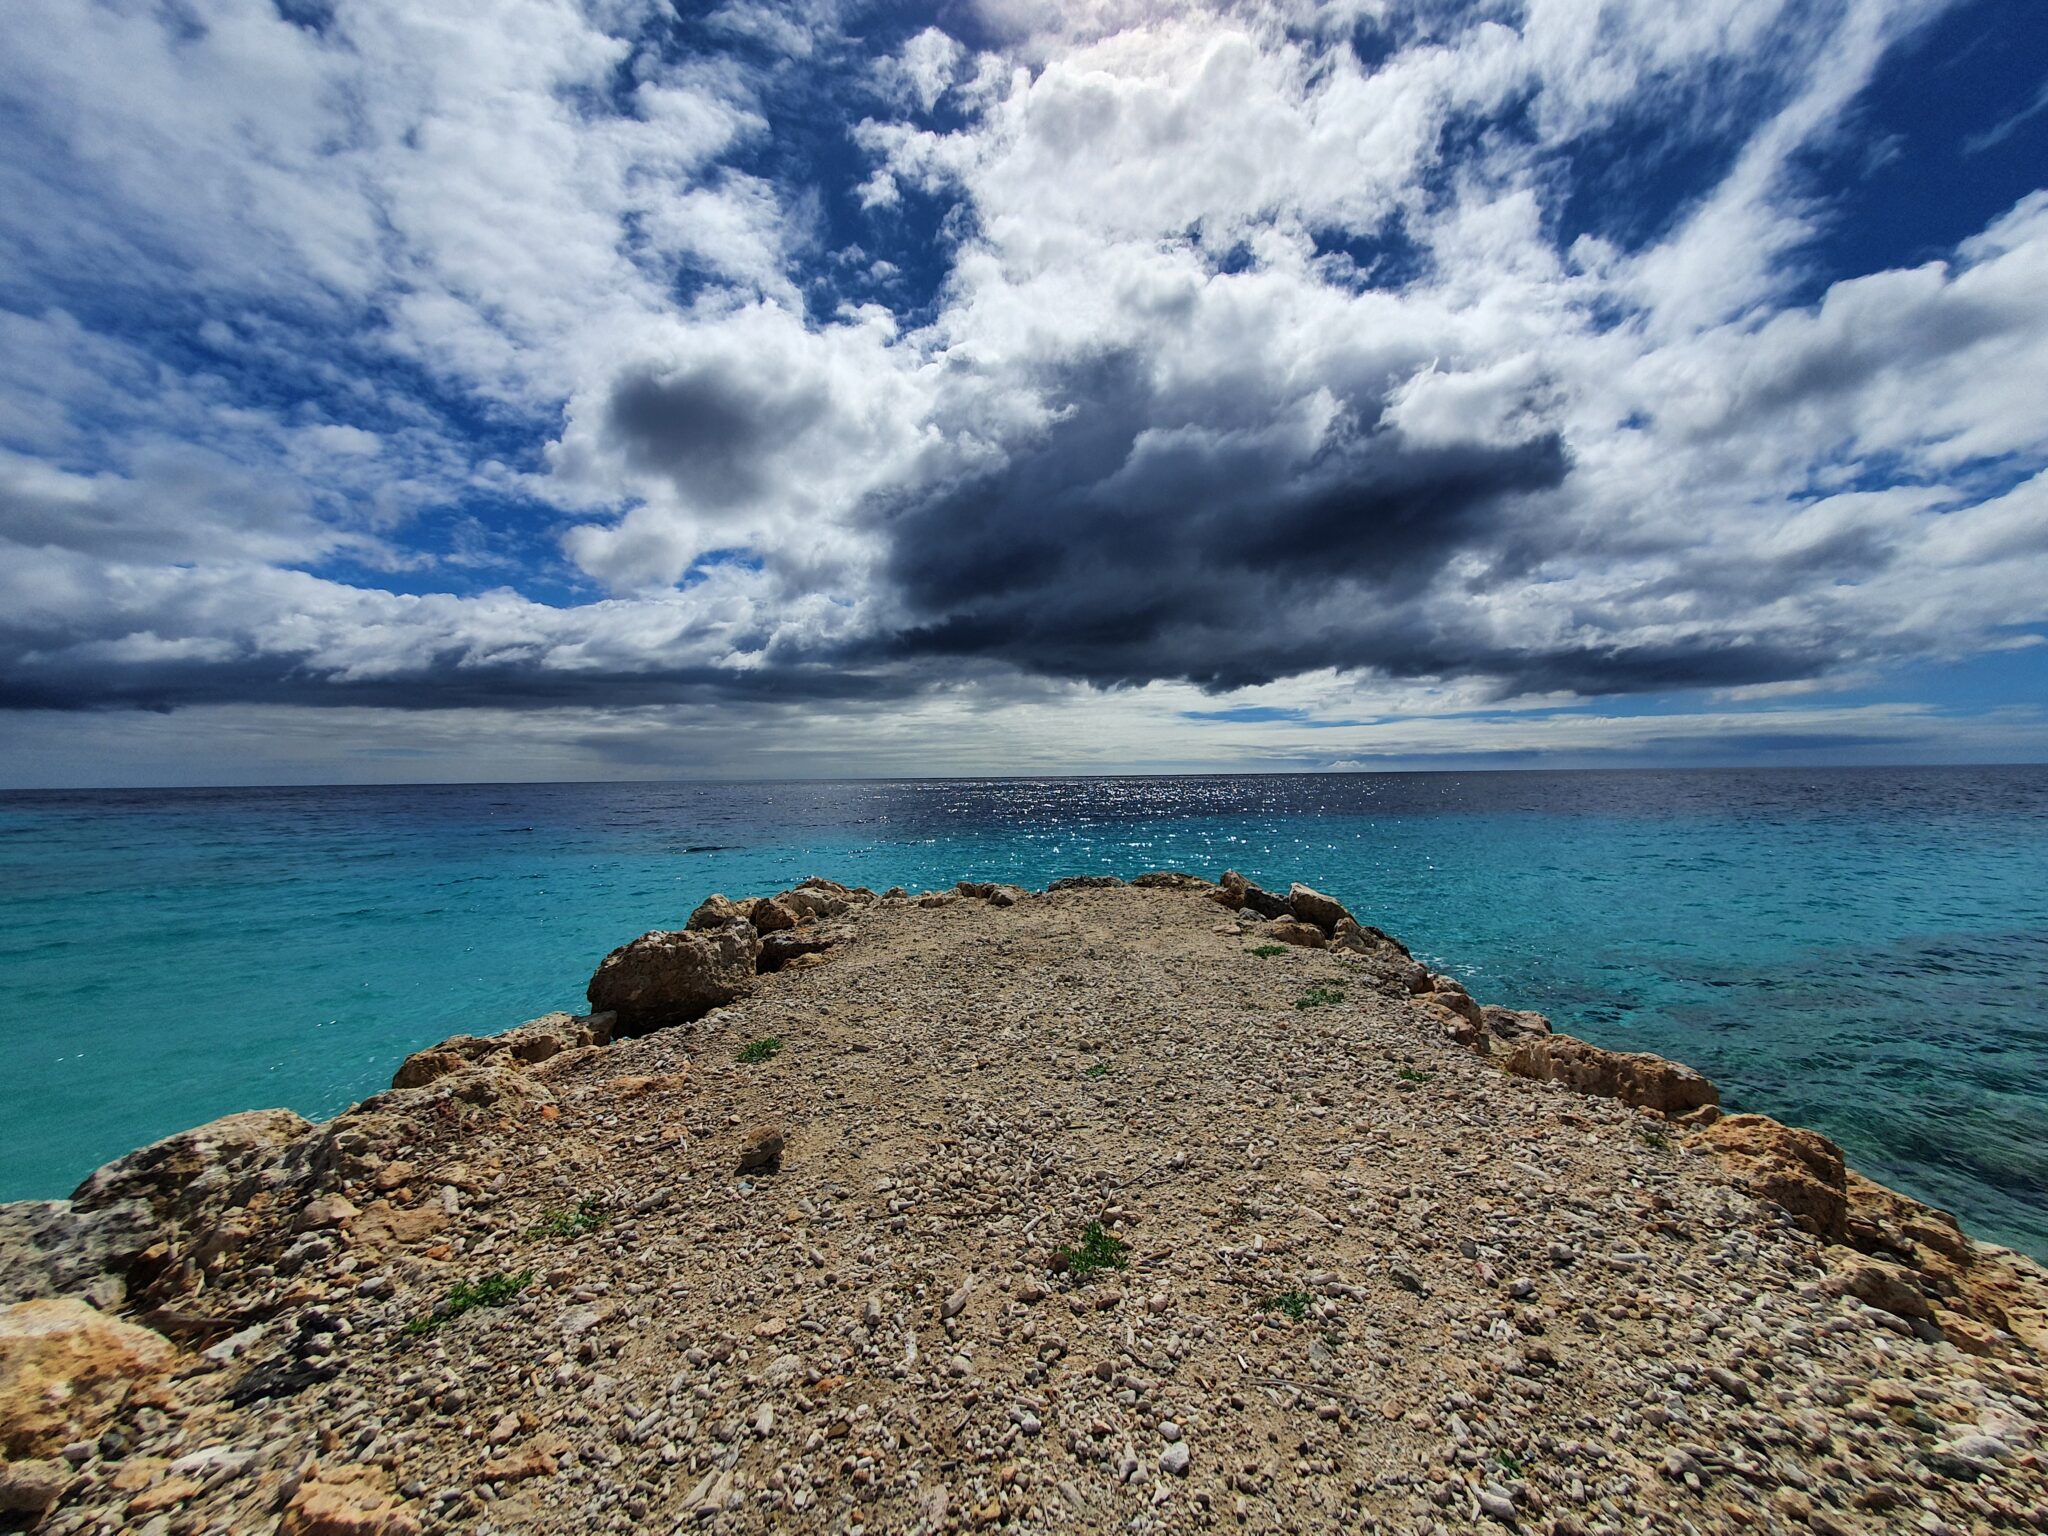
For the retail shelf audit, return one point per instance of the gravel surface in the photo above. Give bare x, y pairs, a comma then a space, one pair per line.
1085, 1217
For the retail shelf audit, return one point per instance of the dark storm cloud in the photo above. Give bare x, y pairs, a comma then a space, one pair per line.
713, 430
442, 683
1115, 552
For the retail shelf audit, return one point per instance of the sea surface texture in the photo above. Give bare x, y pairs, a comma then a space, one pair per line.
1862, 951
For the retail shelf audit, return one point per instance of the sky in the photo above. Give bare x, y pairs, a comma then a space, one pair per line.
579, 389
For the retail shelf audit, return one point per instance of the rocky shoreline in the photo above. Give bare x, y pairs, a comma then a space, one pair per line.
1160, 1206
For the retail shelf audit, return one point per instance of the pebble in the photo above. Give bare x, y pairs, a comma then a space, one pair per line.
1174, 1459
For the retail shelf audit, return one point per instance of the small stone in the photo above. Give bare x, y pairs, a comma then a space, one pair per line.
1174, 1459
1496, 1505
761, 1151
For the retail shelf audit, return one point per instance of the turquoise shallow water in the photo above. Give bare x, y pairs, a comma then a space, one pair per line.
1863, 951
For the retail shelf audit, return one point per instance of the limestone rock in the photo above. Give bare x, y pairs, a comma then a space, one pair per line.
66, 1368
1312, 906
772, 914
1513, 1023
1385, 956
49, 1249
1647, 1082
1084, 883
1292, 931
533, 1042
714, 912
1800, 1170
347, 1501
32, 1488
1230, 890
181, 1173
1446, 993
779, 949
761, 1152
1171, 880
809, 901
671, 978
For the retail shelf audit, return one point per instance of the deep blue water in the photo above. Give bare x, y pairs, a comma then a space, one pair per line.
1864, 951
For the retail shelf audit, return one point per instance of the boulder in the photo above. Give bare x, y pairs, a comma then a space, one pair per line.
1230, 890
181, 1173
66, 1369
347, 1501
761, 1151
1645, 1081
1007, 895
530, 1043
1311, 906
1513, 1023
49, 1249
1265, 903
1171, 880
779, 949
1293, 931
1385, 956
714, 912
771, 914
1798, 1170
821, 900
1446, 993
976, 890
32, 1488
1084, 883
671, 978
1888, 1287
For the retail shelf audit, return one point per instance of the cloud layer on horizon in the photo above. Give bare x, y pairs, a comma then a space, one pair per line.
805, 356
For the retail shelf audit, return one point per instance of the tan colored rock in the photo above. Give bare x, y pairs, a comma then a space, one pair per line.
1798, 1170
1446, 993
1292, 931
761, 1151
384, 1225
518, 1466
1171, 880
1386, 957
1888, 1287
771, 914
1312, 906
672, 978
812, 901
1513, 1023
65, 1369
1647, 1082
347, 1501
1230, 890
529, 1044
714, 912
177, 1175
423, 1067
326, 1211
165, 1495
32, 1488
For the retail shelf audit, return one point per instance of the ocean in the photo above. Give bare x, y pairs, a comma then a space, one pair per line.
1863, 951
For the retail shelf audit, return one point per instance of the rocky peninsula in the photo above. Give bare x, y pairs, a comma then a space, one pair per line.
1150, 1207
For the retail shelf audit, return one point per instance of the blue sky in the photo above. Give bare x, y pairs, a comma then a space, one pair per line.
543, 389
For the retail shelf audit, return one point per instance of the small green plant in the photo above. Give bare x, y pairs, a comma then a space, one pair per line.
1100, 1069
1268, 951
1654, 1136
759, 1051
1096, 1251
1317, 997
1410, 1075
491, 1291
1291, 1304
588, 1216
1510, 1463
